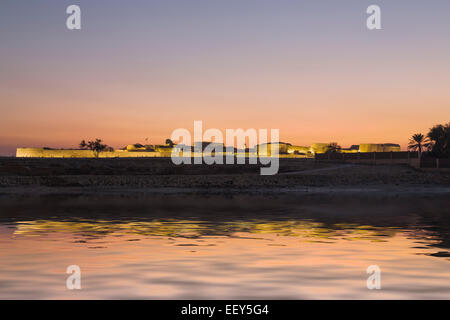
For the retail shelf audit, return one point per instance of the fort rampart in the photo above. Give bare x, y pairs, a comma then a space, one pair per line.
61, 153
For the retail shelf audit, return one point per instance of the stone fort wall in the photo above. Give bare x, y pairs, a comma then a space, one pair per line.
59, 153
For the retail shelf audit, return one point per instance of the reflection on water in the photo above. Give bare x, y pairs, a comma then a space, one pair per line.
305, 230
197, 247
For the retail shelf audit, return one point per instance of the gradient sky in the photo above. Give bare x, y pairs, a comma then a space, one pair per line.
142, 68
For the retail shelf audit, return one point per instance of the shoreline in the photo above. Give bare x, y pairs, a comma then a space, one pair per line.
298, 191
160, 176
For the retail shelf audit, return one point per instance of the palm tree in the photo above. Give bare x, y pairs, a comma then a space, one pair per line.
418, 142
439, 137
83, 144
169, 143
96, 146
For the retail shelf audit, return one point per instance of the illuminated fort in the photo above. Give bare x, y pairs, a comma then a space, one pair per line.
285, 150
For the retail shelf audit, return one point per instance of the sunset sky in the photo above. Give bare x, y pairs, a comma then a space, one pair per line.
141, 68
